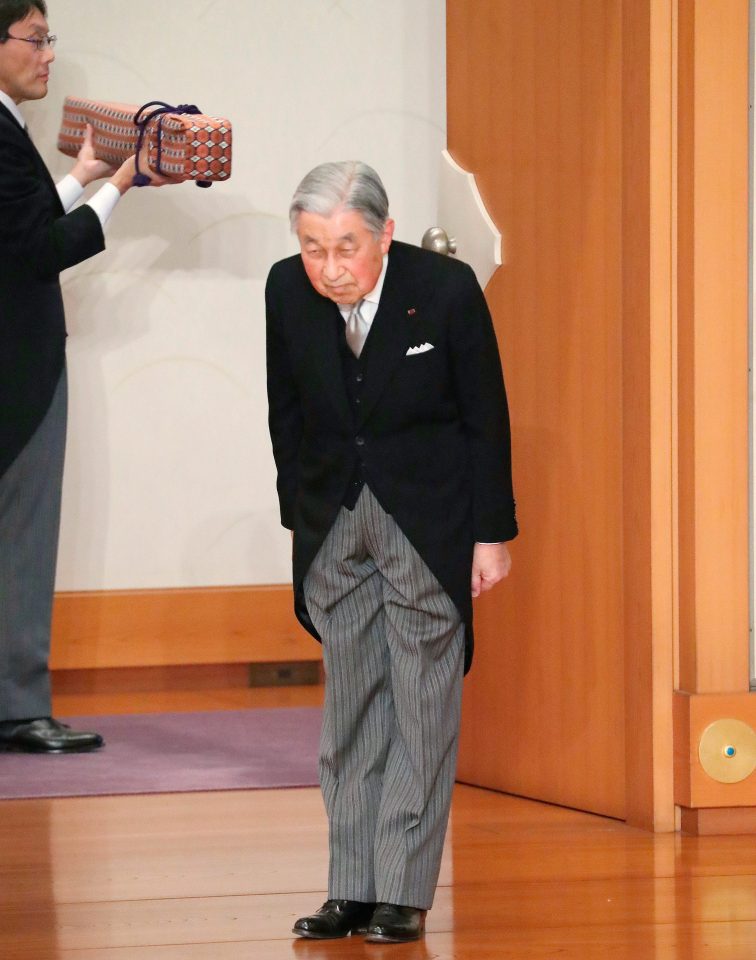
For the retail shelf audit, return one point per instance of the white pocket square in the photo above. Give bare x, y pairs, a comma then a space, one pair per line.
423, 348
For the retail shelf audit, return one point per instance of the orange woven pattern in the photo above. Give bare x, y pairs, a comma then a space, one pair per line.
194, 146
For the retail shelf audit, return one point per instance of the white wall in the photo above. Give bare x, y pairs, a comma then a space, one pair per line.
169, 475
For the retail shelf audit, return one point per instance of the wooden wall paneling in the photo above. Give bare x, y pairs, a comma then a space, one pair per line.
682, 413
713, 423
713, 337
534, 110
649, 407
211, 625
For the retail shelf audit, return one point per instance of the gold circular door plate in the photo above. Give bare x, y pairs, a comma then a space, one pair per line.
727, 750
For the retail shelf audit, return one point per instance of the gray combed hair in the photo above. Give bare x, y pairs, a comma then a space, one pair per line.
348, 183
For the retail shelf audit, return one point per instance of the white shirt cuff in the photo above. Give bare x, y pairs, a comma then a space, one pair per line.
104, 201
69, 190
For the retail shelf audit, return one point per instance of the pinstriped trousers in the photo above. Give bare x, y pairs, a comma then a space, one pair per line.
393, 650
30, 492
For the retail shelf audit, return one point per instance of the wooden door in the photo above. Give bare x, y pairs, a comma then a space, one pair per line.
535, 112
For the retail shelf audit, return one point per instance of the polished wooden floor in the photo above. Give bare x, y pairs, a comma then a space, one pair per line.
222, 876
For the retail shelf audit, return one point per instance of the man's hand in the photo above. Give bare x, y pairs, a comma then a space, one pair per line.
87, 167
491, 563
123, 177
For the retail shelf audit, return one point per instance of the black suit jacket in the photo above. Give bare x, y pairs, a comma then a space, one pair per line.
433, 431
37, 241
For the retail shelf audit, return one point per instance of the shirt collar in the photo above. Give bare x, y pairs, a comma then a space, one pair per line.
373, 298
11, 105
375, 294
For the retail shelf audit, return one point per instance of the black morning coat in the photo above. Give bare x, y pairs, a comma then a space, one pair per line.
37, 241
433, 432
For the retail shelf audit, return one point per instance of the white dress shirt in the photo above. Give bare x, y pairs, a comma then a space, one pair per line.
69, 189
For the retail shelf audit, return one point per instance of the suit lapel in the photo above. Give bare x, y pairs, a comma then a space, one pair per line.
320, 336
392, 332
39, 163
6, 113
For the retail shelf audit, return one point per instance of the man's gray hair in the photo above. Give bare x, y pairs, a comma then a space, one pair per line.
349, 183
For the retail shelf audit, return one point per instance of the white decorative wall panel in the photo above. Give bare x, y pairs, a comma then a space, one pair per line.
463, 215
169, 475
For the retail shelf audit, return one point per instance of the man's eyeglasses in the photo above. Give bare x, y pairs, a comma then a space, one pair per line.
40, 43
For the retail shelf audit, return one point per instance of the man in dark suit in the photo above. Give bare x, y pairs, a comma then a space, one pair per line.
38, 239
390, 432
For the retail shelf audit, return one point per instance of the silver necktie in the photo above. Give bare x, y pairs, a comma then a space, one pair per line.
357, 329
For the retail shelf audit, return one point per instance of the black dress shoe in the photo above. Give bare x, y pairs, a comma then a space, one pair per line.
336, 918
391, 923
46, 736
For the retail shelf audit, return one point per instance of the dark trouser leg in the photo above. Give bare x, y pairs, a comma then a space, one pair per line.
30, 493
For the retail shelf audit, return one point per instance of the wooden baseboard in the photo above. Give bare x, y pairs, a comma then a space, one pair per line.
693, 713
149, 628
116, 680
718, 822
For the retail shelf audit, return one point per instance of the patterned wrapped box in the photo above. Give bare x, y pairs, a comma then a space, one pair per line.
182, 142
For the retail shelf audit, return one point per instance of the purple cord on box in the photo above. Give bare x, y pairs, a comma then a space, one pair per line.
162, 108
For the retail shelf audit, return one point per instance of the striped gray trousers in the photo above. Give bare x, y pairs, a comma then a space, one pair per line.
393, 649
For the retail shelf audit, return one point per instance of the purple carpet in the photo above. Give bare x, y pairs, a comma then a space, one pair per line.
175, 753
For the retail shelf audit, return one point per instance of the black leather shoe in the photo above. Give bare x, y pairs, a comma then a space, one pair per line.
336, 918
391, 923
46, 736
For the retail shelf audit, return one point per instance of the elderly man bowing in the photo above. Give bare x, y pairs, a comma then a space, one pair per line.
390, 432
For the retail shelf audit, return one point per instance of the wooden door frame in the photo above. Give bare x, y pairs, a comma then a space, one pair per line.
649, 407
685, 508
685, 149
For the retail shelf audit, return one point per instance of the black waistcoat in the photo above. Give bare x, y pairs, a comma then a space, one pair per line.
353, 369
